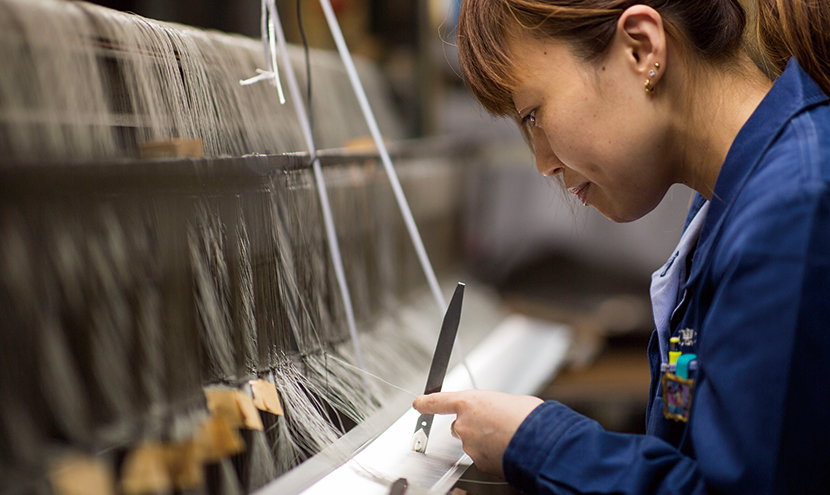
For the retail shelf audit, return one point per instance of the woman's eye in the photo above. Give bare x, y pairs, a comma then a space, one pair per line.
530, 118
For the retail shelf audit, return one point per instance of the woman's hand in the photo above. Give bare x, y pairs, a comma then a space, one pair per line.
485, 422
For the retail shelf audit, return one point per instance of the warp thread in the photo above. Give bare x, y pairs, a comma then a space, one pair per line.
121, 304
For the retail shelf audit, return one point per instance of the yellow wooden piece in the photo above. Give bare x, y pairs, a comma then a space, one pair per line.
217, 440
145, 470
250, 414
172, 148
235, 407
266, 397
80, 474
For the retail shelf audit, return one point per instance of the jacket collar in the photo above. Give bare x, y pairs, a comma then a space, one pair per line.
793, 92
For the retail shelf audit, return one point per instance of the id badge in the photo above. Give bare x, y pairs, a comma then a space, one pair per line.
677, 397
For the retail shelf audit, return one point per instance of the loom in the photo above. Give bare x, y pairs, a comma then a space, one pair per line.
164, 264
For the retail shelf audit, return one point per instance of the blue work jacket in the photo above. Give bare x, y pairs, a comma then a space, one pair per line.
756, 311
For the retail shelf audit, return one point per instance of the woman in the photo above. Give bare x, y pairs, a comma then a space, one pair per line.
620, 100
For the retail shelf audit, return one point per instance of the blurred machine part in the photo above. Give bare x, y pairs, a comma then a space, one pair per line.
163, 265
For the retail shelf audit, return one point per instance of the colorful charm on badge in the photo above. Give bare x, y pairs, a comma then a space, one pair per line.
677, 397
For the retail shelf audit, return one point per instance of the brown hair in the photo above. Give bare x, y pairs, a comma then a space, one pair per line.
800, 29
711, 29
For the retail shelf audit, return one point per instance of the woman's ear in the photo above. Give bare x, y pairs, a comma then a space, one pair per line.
642, 37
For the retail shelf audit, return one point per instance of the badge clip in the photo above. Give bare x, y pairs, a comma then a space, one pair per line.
678, 389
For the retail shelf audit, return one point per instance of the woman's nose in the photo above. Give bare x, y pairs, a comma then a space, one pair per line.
547, 162
549, 168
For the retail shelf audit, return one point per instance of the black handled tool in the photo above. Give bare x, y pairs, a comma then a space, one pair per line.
399, 487
440, 361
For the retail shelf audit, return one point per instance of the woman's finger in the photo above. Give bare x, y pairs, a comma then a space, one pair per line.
452, 430
438, 403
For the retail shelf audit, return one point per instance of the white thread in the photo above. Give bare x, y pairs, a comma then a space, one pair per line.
344, 363
263, 76
273, 72
274, 66
184, 99
334, 246
409, 220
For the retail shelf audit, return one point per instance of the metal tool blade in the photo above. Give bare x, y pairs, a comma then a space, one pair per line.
440, 361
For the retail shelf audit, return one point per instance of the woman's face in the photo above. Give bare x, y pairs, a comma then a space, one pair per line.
594, 124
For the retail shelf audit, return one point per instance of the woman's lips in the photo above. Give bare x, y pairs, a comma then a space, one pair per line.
581, 192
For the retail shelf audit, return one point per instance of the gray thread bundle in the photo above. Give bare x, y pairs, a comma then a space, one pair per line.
82, 82
121, 301
138, 308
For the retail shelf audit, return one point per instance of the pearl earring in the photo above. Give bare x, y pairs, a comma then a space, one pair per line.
651, 73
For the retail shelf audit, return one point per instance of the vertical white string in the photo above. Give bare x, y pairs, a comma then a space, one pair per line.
334, 247
409, 220
269, 42
271, 45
